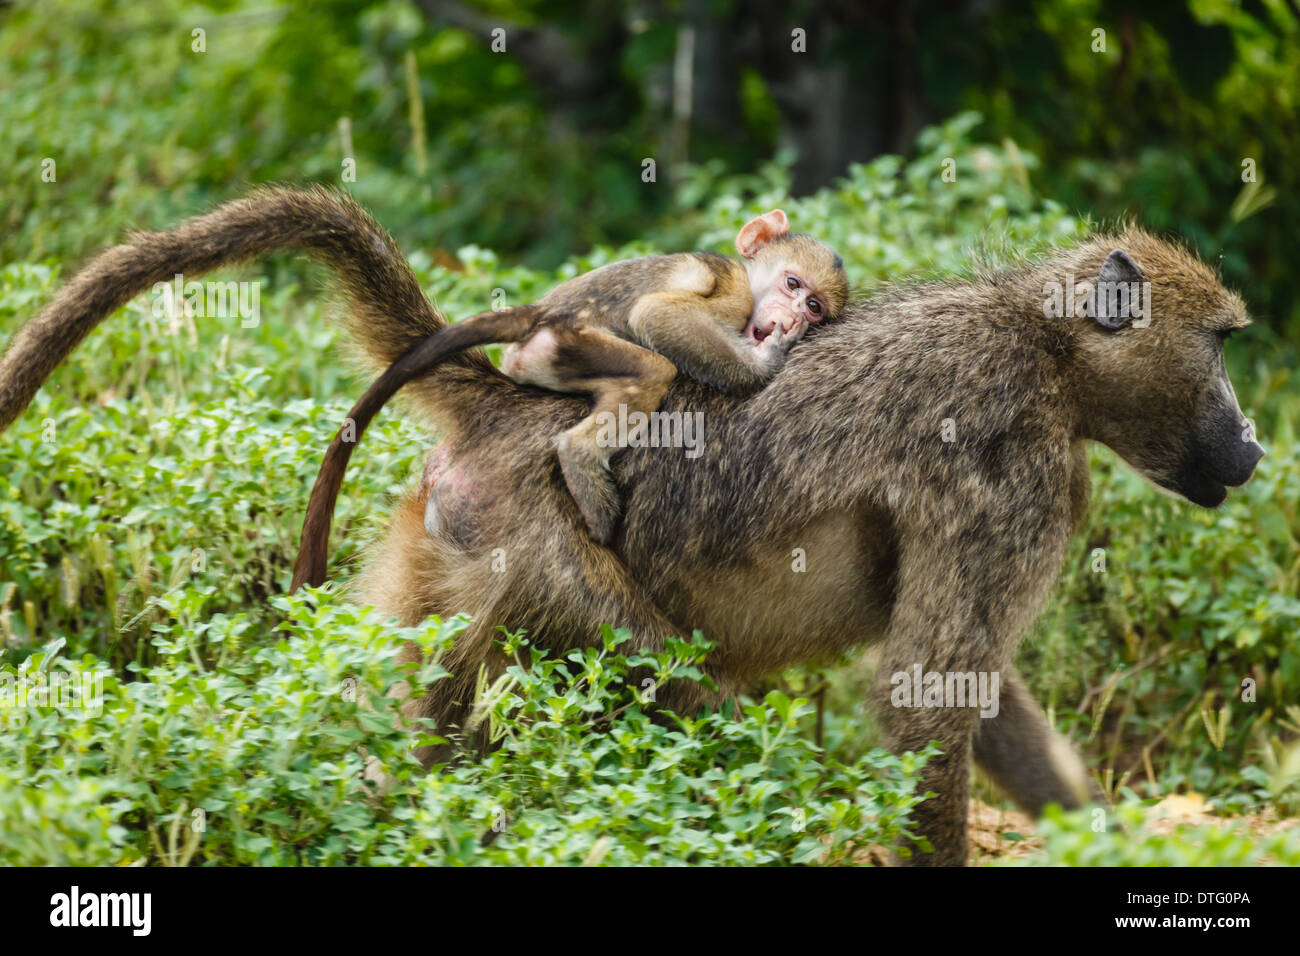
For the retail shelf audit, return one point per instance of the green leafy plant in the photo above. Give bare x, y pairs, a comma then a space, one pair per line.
1126, 839
220, 753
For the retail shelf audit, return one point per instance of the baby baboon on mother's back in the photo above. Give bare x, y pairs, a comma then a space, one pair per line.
619, 333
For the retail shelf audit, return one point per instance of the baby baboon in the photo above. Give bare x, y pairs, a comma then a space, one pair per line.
620, 333
926, 454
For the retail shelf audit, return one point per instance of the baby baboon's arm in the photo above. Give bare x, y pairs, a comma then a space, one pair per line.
704, 338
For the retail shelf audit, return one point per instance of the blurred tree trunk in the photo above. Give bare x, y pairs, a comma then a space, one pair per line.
844, 100
853, 94
574, 61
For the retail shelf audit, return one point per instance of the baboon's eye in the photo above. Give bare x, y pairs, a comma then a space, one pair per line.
791, 283
815, 307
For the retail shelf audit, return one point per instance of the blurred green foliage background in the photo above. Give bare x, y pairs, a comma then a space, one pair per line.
513, 170
536, 151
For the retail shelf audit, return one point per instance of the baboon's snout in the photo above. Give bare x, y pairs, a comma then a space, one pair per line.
1227, 449
1242, 464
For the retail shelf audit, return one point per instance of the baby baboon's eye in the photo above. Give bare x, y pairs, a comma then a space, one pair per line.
815, 307
791, 283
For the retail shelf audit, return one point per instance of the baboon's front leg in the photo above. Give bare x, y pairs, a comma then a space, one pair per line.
963, 600
942, 818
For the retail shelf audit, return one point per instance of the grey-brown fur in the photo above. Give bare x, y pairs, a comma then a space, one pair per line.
940, 553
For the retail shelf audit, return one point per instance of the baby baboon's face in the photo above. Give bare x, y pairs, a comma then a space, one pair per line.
1161, 395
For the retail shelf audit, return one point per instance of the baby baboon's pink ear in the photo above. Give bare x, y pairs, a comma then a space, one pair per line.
760, 231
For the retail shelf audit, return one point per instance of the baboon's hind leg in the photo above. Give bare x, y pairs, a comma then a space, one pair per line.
1025, 755
624, 379
569, 588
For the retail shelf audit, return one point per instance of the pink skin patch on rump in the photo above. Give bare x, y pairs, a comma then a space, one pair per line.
455, 501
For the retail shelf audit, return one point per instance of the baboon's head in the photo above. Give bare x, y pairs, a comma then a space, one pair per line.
1150, 375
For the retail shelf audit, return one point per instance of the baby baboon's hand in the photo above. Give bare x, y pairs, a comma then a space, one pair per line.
781, 339
772, 348
794, 330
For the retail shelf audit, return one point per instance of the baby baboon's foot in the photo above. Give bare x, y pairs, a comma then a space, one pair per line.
591, 486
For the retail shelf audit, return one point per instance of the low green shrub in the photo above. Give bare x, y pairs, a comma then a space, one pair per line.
239, 747
1124, 838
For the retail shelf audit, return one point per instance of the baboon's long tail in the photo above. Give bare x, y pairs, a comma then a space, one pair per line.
389, 310
508, 325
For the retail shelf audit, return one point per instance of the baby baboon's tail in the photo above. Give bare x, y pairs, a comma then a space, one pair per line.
508, 325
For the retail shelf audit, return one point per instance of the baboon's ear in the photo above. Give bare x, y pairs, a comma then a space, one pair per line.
761, 231
1112, 311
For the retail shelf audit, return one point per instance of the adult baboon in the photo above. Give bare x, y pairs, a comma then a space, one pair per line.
927, 453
